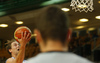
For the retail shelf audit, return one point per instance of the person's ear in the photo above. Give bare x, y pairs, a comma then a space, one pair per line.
38, 35
69, 33
10, 50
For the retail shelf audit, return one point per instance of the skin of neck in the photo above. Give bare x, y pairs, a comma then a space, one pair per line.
52, 45
14, 55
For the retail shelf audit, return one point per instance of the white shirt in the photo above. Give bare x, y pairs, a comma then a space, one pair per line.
57, 57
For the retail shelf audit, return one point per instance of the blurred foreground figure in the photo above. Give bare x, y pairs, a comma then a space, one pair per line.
53, 35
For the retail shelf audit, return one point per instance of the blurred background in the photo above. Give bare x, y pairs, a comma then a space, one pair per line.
86, 26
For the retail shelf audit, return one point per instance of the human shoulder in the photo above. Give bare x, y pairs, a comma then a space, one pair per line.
10, 60
82, 60
78, 59
32, 60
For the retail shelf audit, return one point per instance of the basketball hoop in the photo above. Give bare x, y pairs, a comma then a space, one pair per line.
82, 5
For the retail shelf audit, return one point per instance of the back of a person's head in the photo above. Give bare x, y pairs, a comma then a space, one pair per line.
52, 23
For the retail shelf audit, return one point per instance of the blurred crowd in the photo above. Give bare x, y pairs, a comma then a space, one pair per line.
82, 45
85, 45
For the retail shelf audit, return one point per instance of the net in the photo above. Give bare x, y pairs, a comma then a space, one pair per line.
82, 5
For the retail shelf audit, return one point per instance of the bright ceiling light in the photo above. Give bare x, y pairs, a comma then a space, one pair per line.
90, 29
65, 9
98, 1
81, 6
79, 27
97, 17
3, 25
19, 22
84, 20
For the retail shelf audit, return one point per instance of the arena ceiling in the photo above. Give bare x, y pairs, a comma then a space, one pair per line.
26, 12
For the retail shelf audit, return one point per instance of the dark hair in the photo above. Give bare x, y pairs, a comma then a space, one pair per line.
9, 45
53, 23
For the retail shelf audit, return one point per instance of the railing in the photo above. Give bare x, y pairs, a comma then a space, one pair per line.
13, 4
